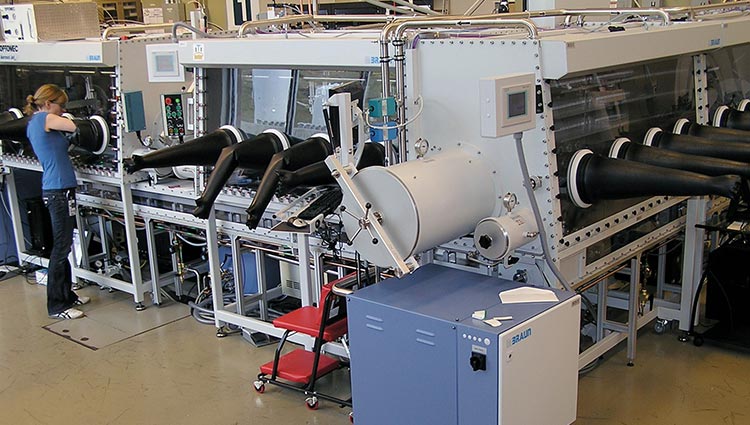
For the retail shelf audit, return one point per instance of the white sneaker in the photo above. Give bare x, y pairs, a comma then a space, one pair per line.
70, 313
82, 300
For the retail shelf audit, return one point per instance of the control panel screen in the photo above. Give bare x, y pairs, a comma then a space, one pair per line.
517, 104
166, 64
163, 64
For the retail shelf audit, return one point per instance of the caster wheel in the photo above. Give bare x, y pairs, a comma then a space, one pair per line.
698, 340
140, 307
660, 326
312, 403
259, 386
683, 337
631, 364
351, 417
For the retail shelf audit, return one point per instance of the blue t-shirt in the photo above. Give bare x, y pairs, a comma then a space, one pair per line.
52, 150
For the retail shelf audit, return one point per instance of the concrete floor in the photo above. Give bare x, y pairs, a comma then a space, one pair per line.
180, 373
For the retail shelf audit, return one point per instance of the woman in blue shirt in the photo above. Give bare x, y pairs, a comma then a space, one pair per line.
44, 130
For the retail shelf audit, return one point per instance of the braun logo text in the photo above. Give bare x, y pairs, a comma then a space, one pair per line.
520, 336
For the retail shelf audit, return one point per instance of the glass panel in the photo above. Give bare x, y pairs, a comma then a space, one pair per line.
591, 111
728, 75
264, 98
312, 92
88, 89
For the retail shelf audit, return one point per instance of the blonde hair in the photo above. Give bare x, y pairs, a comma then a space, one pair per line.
47, 92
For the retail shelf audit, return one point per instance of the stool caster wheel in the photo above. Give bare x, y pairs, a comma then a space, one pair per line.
660, 325
312, 403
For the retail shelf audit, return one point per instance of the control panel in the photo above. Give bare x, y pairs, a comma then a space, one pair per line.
173, 113
507, 104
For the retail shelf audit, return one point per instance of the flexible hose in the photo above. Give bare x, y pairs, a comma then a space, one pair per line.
537, 214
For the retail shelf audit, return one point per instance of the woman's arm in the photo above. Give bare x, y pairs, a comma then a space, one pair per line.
56, 122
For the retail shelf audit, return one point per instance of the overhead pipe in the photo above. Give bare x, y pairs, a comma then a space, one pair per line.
296, 19
425, 10
128, 29
386, 6
190, 28
691, 10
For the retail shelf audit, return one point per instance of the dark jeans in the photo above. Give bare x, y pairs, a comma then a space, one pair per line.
59, 276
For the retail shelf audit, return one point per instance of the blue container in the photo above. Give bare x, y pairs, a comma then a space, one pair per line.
250, 270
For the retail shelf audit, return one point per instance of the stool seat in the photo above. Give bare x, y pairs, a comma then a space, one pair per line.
297, 365
306, 320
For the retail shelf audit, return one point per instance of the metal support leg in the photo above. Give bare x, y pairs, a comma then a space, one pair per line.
239, 276
84, 261
261, 277
103, 237
661, 273
139, 288
15, 213
153, 263
634, 301
601, 308
692, 266
305, 279
175, 267
214, 265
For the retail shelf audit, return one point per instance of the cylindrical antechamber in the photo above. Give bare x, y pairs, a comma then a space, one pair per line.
422, 203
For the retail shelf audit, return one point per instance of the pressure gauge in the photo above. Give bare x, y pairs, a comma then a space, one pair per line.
421, 147
510, 201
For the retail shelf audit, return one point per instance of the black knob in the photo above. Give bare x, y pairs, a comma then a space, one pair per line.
485, 241
478, 361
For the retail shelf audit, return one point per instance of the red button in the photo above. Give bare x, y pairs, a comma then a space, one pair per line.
168, 100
